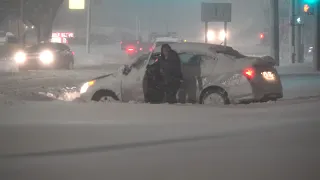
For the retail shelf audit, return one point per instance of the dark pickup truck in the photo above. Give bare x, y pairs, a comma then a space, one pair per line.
125, 44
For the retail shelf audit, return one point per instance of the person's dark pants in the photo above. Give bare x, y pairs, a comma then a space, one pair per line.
171, 91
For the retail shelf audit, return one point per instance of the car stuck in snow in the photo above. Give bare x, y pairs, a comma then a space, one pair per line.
213, 74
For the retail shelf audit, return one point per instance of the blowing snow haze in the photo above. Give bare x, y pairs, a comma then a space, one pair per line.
182, 16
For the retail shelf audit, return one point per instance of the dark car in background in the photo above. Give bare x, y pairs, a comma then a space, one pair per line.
129, 43
45, 55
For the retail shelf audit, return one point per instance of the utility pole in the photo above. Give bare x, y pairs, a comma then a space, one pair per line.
22, 19
316, 51
137, 27
298, 29
206, 32
88, 26
292, 31
275, 47
225, 24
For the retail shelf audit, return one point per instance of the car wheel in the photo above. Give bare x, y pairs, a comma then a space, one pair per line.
215, 97
105, 96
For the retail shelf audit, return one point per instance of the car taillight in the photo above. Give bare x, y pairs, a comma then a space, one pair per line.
130, 49
72, 53
249, 73
261, 35
141, 49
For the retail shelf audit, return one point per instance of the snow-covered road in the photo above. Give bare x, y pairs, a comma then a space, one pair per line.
59, 140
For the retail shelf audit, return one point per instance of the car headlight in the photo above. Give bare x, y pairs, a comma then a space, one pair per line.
210, 35
20, 57
86, 86
46, 57
223, 35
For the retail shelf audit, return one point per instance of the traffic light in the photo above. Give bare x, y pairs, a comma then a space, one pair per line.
308, 6
307, 9
298, 20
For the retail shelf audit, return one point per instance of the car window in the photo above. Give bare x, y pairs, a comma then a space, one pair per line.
62, 47
189, 59
207, 58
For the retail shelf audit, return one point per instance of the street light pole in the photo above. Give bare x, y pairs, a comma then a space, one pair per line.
298, 29
88, 26
316, 51
22, 18
275, 47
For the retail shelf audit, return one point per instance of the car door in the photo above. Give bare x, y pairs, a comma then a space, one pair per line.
191, 70
132, 84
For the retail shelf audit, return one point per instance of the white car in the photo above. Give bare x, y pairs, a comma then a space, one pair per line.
213, 74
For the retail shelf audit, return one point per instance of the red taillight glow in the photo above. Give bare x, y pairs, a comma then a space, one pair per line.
130, 49
141, 49
249, 73
73, 53
261, 35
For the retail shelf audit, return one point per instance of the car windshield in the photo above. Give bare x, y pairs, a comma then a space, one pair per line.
37, 47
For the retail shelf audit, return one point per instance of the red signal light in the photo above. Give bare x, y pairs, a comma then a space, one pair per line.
249, 73
261, 35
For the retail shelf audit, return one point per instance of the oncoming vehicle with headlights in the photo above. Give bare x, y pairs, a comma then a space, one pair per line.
213, 74
45, 55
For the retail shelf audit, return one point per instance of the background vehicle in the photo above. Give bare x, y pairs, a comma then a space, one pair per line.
45, 55
132, 51
213, 74
125, 43
145, 47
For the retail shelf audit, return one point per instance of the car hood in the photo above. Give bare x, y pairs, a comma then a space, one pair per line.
114, 74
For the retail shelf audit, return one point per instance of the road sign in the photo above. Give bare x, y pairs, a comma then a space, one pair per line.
77, 4
216, 12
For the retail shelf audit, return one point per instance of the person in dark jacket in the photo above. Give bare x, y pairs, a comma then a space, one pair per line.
170, 70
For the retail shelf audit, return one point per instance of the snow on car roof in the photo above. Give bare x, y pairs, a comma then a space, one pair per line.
194, 47
167, 39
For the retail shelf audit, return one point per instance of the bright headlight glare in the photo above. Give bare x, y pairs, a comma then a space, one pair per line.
86, 85
210, 35
223, 35
20, 57
46, 57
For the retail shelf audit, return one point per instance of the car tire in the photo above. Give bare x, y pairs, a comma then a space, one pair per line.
215, 97
105, 96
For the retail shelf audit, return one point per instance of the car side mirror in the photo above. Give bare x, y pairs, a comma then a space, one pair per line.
126, 69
